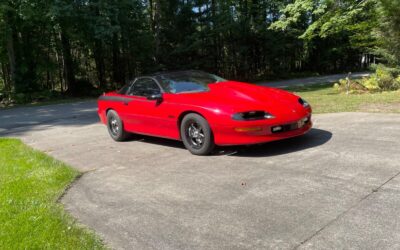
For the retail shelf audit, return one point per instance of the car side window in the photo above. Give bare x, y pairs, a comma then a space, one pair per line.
144, 87
124, 89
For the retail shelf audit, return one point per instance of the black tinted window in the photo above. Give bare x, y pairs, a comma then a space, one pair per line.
124, 89
144, 87
187, 81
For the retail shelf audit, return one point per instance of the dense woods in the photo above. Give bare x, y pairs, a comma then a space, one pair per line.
84, 46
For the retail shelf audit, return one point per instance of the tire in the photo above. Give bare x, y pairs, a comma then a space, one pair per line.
116, 127
196, 134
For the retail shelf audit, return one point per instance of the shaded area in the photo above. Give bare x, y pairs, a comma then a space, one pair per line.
17, 121
314, 138
155, 140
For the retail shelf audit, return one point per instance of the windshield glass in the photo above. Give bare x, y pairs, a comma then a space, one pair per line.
187, 81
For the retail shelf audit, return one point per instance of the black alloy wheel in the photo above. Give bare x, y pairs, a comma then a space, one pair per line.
196, 134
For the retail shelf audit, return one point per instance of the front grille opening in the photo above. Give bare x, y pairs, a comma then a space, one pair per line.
253, 115
284, 128
290, 126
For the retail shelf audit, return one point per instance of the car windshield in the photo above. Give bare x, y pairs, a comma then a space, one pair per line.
187, 81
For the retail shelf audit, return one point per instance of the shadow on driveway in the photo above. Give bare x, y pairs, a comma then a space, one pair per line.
22, 120
314, 138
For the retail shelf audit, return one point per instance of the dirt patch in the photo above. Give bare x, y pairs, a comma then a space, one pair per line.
381, 107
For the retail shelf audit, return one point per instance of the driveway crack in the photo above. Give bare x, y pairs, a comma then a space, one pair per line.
374, 190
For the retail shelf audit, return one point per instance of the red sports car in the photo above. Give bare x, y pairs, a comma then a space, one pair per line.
203, 110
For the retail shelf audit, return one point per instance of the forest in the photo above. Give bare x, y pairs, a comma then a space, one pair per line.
84, 47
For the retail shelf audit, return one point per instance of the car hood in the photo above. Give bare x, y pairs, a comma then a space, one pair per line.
239, 97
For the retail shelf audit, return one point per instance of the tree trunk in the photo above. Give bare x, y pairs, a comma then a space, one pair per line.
67, 62
116, 60
11, 55
5, 77
215, 38
99, 61
155, 14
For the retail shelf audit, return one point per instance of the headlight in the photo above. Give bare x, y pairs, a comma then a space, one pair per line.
252, 115
304, 103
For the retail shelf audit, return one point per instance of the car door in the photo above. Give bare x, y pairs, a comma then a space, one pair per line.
145, 115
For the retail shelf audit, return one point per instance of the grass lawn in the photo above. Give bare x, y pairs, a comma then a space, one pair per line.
325, 99
30, 216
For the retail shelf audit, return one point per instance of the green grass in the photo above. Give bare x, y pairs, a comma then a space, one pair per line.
30, 215
325, 99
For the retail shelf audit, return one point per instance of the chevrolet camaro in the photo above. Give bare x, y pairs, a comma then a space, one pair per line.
203, 110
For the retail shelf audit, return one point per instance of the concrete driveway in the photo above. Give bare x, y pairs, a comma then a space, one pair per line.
337, 187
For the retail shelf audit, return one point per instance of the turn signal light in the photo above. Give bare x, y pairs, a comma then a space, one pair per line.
248, 129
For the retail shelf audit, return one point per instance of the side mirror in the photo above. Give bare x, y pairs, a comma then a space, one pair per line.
155, 97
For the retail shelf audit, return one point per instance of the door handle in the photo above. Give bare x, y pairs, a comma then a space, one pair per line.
126, 103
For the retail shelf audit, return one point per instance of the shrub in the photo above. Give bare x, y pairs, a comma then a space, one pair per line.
370, 83
85, 88
398, 79
44, 95
20, 98
384, 79
353, 86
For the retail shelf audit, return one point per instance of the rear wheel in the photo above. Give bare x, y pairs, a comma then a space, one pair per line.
196, 134
116, 127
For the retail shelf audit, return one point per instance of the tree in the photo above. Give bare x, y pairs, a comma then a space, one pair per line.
389, 32
335, 33
83, 47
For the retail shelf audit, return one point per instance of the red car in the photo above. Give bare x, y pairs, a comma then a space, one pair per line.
203, 110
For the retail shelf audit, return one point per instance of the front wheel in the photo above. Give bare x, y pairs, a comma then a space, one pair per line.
196, 134
116, 127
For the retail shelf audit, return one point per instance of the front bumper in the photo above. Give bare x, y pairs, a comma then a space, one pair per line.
231, 135
102, 117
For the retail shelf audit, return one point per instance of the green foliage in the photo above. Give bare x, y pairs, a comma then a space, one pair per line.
350, 86
328, 18
333, 32
20, 98
371, 83
398, 79
295, 13
30, 217
7, 99
389, 32
384, 79
61, 45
